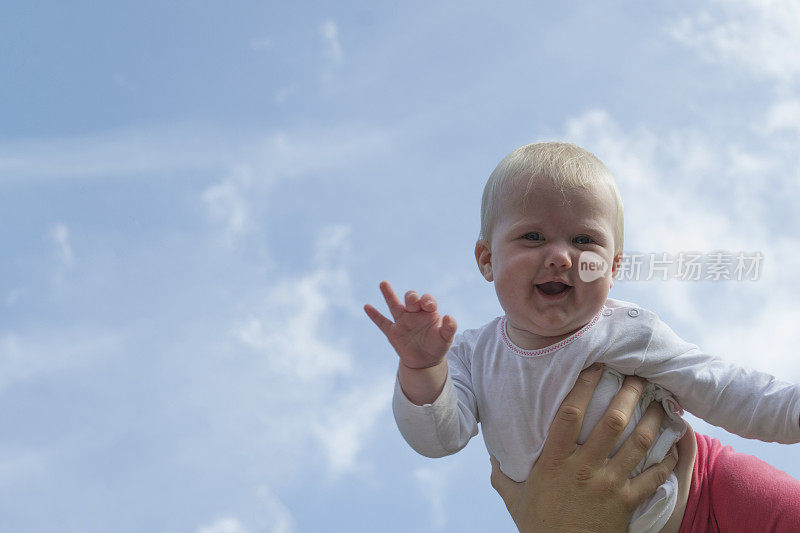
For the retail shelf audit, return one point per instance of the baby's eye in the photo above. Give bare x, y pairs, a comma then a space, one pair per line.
533, 236
582, 239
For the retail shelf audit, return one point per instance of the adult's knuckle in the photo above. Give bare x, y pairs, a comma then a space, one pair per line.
661, 475
607, 485
643, 440
615, 420
569, 413
584, 474
633, 386
629, 499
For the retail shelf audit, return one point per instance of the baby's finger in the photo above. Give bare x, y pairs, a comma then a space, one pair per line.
394, 303
449, 328
427, 303
412, 302
381, 321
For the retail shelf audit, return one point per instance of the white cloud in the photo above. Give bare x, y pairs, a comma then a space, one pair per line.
224, 525
333, 48
260, 43
784, 115
657, 176
17, 467
345, 426
231, 202
14, 296
23, 358
283, 93
291, 333
251, 161
684, 192
279, 518
136, 151
226, 202
60, 235
758, 35
432, 482
334, 56
297, 337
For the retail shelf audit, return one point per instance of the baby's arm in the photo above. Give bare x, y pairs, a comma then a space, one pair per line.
421, 338
747, 402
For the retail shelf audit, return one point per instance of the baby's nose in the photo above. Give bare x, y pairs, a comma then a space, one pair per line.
559, 258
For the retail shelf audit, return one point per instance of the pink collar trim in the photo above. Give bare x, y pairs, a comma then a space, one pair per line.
548, 349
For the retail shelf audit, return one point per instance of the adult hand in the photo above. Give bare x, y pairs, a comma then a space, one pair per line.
578, 488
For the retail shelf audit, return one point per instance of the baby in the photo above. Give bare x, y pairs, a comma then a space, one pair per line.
551, 241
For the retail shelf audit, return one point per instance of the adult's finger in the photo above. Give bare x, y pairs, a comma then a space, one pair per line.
606, 433
639, 442
645, 484
566, 426
507, 488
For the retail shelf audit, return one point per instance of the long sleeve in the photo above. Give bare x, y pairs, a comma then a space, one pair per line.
747, 402
446, 425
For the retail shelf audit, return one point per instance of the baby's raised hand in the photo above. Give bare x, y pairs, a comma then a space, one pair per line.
418, 334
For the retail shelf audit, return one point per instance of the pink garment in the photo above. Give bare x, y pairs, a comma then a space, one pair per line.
738, 492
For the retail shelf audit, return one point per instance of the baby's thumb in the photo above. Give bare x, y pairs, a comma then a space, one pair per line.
449, 328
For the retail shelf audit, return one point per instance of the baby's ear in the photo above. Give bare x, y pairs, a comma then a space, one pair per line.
483, 255
615, 266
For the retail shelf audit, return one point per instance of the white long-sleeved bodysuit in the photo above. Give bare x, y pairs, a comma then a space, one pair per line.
515, 393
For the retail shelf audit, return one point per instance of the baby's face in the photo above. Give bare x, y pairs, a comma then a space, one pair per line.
533, 259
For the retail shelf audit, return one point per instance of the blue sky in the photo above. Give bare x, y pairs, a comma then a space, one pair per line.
198, 197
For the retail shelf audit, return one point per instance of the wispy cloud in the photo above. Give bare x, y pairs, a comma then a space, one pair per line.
137, 151
26, 356
158, 150
432, 482
688, 191
260, 43
18, 466
283, 93
60, 235
759, 35
279, 518
293, 351
345, 426
293, 333
14, 296
333, 48
226, 202
224, 525
784, 116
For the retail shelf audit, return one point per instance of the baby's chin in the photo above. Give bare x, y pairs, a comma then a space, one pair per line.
560, 328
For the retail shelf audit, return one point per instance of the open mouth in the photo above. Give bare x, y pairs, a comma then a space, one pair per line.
551, 288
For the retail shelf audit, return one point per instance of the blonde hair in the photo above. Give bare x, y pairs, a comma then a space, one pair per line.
567, 165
